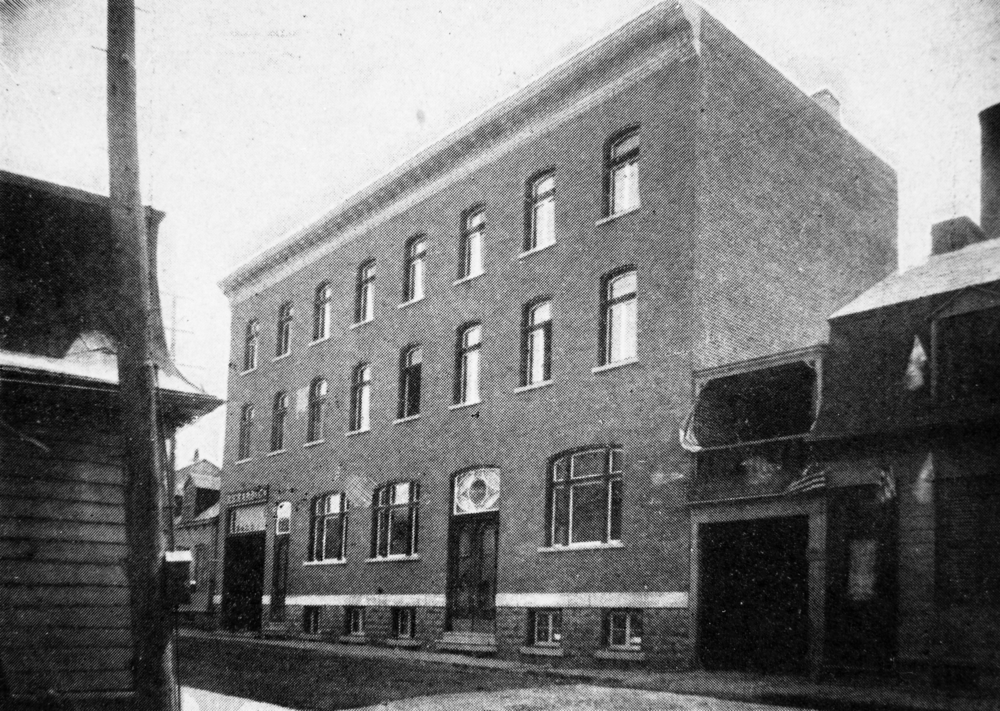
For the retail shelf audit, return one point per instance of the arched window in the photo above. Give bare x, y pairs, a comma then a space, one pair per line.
541, 212
361, 398
415, 269
467, 364
364, 298
251, 344
621, 172
585, 497
279, 416
243, 447
317, 402
618, 317
322, 308
410, 364
328, 535
536, 343
283, 343
471, 247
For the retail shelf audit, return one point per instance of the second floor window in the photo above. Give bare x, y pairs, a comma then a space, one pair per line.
251, 344
416, 269
361, 397
283, 343
410, 364
471, 258
322, 307
328, 535
279, 416
541, 212
394, 519
364, 298
317, 403
243, 450
585, 498
618, 318
536, 348
467, 364
622, 173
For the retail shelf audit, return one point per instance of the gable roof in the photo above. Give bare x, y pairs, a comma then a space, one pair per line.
203, 474
973, 265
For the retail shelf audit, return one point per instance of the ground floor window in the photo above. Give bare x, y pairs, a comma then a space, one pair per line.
354, 621
404, 622
310, 620
545, 628
623, 629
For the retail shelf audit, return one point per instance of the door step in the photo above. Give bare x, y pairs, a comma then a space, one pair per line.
468, 642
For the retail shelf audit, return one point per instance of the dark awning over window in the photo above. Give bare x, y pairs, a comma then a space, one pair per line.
761, 405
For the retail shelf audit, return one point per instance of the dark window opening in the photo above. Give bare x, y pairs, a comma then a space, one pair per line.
967, 351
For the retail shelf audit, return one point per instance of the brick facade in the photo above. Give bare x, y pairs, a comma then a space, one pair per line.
748, 193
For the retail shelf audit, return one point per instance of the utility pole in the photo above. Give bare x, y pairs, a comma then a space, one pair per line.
153, 670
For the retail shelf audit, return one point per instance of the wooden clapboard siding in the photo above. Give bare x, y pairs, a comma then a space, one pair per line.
56, 551
18, 639
42, 529
37, 487
56, 470
79, 658
71, 681
51, 597
23, 573
62, 510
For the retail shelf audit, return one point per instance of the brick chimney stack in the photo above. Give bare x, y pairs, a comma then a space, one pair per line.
954, 234
989, 120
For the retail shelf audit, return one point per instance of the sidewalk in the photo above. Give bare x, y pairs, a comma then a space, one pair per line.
200, 700
884, 695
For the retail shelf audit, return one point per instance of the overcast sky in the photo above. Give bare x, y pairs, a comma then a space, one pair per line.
256, 115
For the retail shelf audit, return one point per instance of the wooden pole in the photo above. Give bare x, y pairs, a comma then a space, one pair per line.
153, 665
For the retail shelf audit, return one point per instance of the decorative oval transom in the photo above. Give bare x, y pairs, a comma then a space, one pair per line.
477, 490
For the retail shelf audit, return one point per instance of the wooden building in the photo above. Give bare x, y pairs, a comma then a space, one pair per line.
196, 528
64, 595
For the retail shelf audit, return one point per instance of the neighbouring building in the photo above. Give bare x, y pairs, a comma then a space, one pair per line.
64, 595
196, 528
455, 399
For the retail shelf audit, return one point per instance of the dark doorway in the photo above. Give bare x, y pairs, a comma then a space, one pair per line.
754, 607
861, 580
472, 574
279, 577
243, 582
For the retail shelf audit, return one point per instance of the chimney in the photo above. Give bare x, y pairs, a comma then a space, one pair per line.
828, 102
989, 120
954, 234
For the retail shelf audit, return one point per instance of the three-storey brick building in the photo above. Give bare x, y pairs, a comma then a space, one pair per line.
454, 413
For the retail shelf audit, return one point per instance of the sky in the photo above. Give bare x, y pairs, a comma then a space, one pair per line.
255, 116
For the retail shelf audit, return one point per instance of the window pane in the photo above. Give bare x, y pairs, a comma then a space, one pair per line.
625, 145
542, 630
622, 331
590, 463
541, 313
545, 222
625, 187
588, 504
474, 254
470, 384
332, 539
561, 469
560, 516
618, 629
621, 286
545, 185
615, 511
536, 356
401, 493
399, 530
364, 407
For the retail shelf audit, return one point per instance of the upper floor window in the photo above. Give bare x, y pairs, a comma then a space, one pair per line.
622, 172
283, 344
467, 364
536, 343
317, 403
585, 497
618, 317
966, 349
283, 518
322, 308
541, 216
361, 397
471, 257
410, 364
394, 519
246, 433
364, 297
279, 416
328, 528
416, 269
251, 344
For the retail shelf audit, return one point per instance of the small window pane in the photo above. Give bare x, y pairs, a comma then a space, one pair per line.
589, 463
622, 286
625, 145
588, 511
401, 493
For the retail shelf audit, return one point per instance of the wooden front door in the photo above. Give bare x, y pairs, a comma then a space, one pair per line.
472, 575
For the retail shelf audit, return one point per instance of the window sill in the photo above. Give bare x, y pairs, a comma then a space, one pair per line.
353, 433
533, 386
460, 405
276, 452
409, 303
620, 655
612, 218
248, 371
336, 561
393, 558
281, 357
580, 547
409, 418
534, 250
407, 642
467, 279
318, 340
359, 324
539, 651
244, 461
314, 443
353, 639
616, 364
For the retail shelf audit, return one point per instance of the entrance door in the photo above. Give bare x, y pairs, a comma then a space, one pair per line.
754, 606
472, 573
861, 580
243, 582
